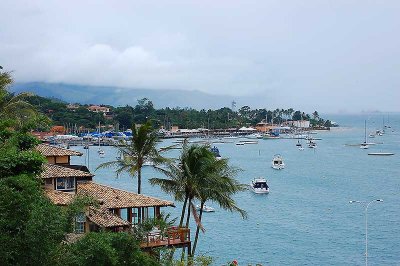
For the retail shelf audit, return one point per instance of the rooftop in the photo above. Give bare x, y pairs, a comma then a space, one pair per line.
59, 197
48, 150
105, 218
113, 198
55, 171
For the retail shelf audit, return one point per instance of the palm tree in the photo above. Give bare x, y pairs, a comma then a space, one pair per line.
181, 181
142, 149
14, 107
200, 176
218, 185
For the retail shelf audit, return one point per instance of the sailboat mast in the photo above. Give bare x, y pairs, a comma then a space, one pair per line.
365, 131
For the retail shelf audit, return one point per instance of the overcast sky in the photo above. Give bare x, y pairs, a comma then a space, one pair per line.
325, 55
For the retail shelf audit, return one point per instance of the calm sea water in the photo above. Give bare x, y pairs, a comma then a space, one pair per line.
306, 219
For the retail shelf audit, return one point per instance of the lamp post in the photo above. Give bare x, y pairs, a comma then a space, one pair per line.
366, 223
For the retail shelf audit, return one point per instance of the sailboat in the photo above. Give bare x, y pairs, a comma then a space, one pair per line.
100, 151
365, 144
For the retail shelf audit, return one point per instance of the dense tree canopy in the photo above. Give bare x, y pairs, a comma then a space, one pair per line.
123, 117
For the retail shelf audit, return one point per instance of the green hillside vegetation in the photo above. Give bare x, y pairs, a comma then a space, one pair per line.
123, 117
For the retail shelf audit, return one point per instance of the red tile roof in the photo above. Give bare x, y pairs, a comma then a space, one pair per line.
60, 198
54, 171
49, 150
113, 198
104, 218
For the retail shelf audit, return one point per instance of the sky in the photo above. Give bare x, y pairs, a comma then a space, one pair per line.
331, 56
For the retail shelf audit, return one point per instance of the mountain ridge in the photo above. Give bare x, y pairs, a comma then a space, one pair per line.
116, 96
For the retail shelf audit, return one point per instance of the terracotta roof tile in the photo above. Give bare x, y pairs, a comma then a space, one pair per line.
105, 218
54, 171
48, 150
117, 198
59, 197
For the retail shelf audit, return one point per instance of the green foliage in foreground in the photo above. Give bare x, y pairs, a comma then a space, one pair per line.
105, 249
30, 225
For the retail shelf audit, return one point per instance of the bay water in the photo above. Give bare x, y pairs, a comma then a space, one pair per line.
306, 219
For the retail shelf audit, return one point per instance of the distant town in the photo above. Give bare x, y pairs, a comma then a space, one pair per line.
78, 119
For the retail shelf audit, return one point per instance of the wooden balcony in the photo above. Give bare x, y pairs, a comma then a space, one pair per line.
174, 237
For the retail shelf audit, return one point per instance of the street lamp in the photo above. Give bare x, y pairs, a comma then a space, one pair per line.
366, 223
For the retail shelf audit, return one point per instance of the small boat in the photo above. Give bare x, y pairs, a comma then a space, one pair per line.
298, 144
365, 144
254, 136
239, 143
301, 149
248, 141
148, 163
230, 137
205, 208
277, 162
271, 135
215, 151
381, 153
259, 185
312, 144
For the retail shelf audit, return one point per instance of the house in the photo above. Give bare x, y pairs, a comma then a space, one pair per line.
99, 109
116, 209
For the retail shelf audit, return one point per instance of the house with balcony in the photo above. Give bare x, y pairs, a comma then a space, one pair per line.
117, 210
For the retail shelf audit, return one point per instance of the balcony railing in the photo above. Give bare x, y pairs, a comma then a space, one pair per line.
174, 236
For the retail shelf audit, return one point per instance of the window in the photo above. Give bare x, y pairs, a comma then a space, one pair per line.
80, 220
67, 183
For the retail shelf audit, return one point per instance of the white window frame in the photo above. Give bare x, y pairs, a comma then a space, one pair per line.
80, 220
66, 180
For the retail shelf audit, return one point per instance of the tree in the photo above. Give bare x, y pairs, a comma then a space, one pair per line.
142, 149
104, 249
217, 185
199, 175
13, 107
315, 115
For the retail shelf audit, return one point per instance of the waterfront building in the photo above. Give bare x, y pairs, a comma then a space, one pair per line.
117, 210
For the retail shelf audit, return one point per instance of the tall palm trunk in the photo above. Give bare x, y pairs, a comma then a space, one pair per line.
187, 225
139, 179
197, 229
188, 212
183, 211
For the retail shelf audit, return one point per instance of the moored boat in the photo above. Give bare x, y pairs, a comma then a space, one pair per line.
277, 162
259, 185
381, 153
215, 151
205, 208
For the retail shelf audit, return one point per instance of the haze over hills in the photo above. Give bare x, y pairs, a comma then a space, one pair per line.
121, 96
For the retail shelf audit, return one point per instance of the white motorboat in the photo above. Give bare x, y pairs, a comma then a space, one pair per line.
205, 208
259, 185
381, 153
248, 142
277, 162
254, 136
